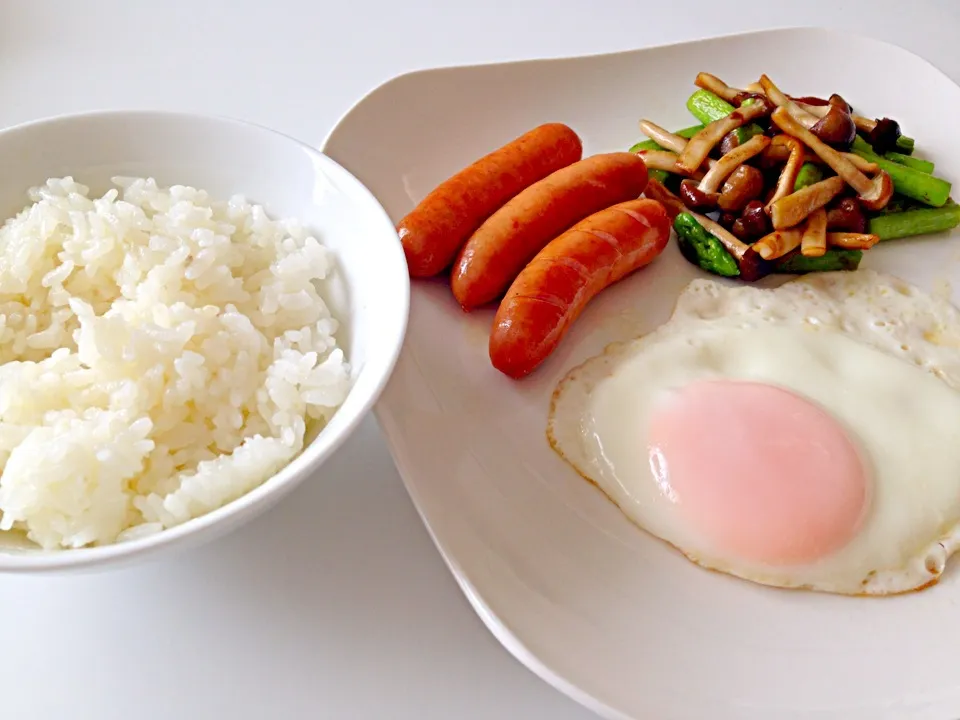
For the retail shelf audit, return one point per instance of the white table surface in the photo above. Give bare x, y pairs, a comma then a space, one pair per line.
335, 604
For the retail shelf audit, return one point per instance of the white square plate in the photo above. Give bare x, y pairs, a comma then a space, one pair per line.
592, 604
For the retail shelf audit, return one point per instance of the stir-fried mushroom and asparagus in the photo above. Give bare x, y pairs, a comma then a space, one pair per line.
769, 183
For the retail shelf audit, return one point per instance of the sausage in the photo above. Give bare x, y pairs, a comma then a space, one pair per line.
437, 228
506, 242
549, 294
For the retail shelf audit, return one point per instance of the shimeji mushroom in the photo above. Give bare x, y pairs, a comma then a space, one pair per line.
874, 193
861, 164
832, 122
706, 193
744, 184
753, 222
778, 98
852, 241
666, 139
813, 242
813, 104
719, 88
778, 243
788, 176
797, 206
662, 137
667, 161
700, 145
882, 134
847, 215
732, 95
671, 203
836, 126
778, 153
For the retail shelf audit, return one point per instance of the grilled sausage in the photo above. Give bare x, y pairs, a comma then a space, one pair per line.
437, 228
500, 248
550, 293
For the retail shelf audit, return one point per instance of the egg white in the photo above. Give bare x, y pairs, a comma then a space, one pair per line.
878, 354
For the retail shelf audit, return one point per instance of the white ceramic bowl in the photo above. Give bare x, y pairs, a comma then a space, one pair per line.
291, 180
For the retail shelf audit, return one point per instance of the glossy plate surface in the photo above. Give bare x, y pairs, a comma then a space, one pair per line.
586, 600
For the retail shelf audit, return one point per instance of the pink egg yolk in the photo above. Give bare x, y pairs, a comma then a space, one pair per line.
759, 471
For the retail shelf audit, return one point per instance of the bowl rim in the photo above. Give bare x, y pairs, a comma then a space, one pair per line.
251, 503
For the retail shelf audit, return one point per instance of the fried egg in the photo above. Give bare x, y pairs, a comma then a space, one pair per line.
806, 436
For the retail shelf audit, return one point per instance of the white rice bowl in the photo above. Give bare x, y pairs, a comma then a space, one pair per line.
161, 354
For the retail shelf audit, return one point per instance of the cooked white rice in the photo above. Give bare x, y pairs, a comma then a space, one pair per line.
160, 355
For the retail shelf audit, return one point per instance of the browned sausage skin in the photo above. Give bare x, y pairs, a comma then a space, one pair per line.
500, 248
435, 230
549, 294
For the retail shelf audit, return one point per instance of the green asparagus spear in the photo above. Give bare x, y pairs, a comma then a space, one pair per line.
915, 222
652, 145
832, 260
905, 144
703, 249
809, 174
928, 189
707, 108
924, 166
